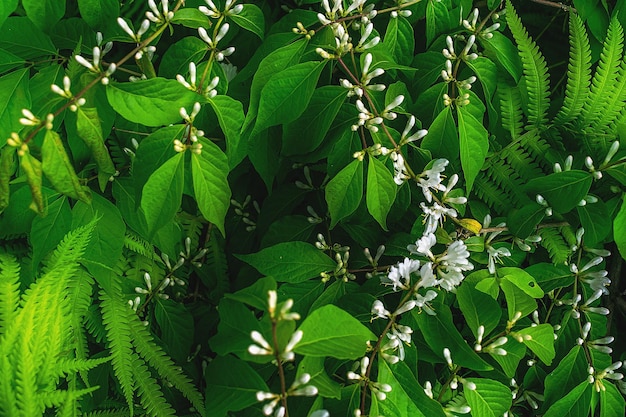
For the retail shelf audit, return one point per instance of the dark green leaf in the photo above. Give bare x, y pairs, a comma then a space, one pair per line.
190, 17
502, 51
286, 95
611, 401
489, 399
290, 261
400, 40
314, 366
161, 196
233, 332
209, 171
9, 61
575, 404
6, 8
550, 276
307, 132
381, 191
36, 44
89, 128
541, 341
474, 143
441, 139
478, 308
344, 192
516, 299
59, 170
562, 190
596, 221
523, 222
571, 369
46, 232
619, 224
230, 115
153, 102
178, 56
99, 13
44, 14
14, 96
251, 18
523, 280
231, 386
330, 331
256, 294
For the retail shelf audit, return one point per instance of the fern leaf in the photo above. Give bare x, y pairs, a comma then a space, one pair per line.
8, 398
535, 70
553, 242
150, 393
614, 105
9, 290
72, 247
107, 413
491, 194
139, 245
578, 71
604, 81
507, 180
521, 161
159, 360
511, 109
116, 315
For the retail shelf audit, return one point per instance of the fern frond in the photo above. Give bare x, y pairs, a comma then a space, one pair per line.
116, 315
614, 105
9, 290
604, 80
501, 174
553, 242
521, 161
538, 148
72, 366
108, 413
139, 245
161, 362
94, 325
62, 398
535, 70
490, 194
578, 71
150, 393
8, 397
72, 247
511, 109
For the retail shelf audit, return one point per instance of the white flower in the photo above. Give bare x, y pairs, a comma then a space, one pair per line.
262, 347
364, 44
423, 245
400, 172
431, 178
400, 275
434, 215
379, 310
494, 256
452, 264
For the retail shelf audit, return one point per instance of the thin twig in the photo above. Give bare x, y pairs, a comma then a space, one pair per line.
558, 5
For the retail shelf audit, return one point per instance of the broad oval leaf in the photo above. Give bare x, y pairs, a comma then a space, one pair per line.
489, 399
99, 13
571, 369
209, 170
290, 261
562, 190
575, 404
89, 128
287, 94
14, 96
442, 136
162, 194
330, 331
474, 143
523, 280
176, 324
250, 18
153, 102
381, 191
619, 223
541, 341
178, 56
190, 17
344, 192
230, 115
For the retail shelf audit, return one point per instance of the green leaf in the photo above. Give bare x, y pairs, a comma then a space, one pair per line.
523, 280
442, 136
9, 61
487, 73
501, 50
272, 64
307, 132
99, 13
263, 152
400, 40
575, 404
541, 342
619, 224
478, 308
523, 222
436, 20
256, 294
233, 331
596, 221
516, 299
36, 44
314, 366
178, 56
89, 128
290, 261
407, 398
34, 176
6, 8
287, 94
344, 192
562, 190
515, 352
611, 401
153, 102
209, 171
176, 324
381, 191
14, 96
46, 232
440, 332
57, 167
7, 158
232, 385
330, 331
190, 17
474, 144
44, 14
565, 377
489, 399
161, 196
250, 18
230, 115
550, 276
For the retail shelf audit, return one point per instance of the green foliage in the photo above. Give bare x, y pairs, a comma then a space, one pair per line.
311, 208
